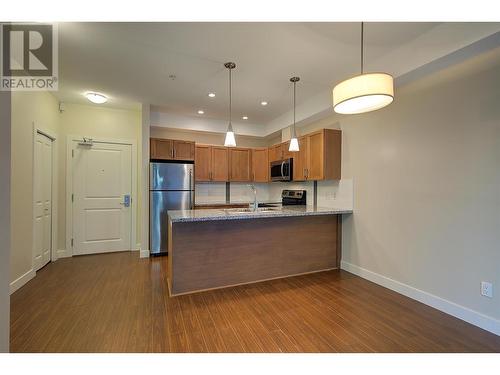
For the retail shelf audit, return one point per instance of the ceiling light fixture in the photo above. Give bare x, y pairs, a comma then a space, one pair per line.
264, 103
294, 143
230, 141
245, 117
211, 94
200, 112
96, 98
365, 92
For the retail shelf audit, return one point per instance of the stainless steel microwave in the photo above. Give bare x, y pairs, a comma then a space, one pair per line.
282, 170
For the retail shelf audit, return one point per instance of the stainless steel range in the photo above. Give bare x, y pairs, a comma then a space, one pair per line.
293, 197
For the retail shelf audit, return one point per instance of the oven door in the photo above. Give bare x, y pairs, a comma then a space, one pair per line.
281, 170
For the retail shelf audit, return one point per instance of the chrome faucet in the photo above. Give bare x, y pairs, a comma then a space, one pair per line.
253, 206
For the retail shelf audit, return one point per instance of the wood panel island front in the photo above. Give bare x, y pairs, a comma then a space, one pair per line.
216, 248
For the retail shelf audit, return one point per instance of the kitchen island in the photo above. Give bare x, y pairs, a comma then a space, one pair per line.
215, 248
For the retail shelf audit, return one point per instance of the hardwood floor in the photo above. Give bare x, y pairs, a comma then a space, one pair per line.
119, 303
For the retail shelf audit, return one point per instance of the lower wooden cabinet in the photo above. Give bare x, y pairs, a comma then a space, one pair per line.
260, 165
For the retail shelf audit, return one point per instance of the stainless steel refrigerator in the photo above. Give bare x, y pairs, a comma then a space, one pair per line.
171, 187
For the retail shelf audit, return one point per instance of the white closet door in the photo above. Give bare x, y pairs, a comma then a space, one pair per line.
102, 178
43, 200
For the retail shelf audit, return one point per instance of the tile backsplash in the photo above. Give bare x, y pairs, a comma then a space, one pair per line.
332, 193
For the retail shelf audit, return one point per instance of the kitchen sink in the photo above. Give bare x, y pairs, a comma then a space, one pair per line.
249, 210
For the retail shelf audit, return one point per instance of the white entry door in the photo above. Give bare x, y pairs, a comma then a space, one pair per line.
102, 185
42, 169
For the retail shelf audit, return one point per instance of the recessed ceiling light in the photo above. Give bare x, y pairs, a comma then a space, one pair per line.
263, 103
200, 112
245, 117
96, 98
211, 94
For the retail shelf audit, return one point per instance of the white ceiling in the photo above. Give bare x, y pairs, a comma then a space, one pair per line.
132, 62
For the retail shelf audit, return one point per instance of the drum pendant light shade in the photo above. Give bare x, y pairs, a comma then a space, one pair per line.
363, 93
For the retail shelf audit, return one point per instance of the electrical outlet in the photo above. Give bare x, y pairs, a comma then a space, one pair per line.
486, 289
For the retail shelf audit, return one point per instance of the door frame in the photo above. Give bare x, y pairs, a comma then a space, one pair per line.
69, 187
38, 129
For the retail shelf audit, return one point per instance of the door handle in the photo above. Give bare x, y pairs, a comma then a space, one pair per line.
282, 169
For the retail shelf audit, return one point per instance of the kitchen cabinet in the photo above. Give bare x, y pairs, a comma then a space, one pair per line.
324, 155
161, 149
318, 158
275, 153
211, 164
202, 163
300, 160
240, 164
220, 164
260, 165
168, 149
183, 150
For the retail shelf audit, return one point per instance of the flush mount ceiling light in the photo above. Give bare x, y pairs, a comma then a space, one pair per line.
96, 98
264, 103
230, 141
200, 112
365, 92
244, 118
294, 143
211, 94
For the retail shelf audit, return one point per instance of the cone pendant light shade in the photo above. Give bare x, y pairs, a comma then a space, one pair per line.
294, 142
230, 140
363, 93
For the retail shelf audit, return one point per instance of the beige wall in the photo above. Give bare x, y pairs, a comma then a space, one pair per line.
94, 122
85, 120
426, 174
40, 108
206, 138
5, 142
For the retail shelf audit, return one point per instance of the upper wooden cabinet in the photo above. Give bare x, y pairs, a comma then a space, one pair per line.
300, 160
211, 163
275, 153
220, 160
167, 149
260, 165
161, 149
183, 150
240, 164
323, 154
203, 163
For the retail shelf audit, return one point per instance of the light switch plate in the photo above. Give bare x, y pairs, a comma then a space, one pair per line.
487, 289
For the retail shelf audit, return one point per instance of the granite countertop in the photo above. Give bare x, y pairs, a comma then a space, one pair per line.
224, 203
177, 216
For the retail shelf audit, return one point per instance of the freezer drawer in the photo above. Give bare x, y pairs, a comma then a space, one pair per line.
171, 176
160, 203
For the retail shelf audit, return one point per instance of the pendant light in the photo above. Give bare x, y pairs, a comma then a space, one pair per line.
365, 92
294, 143
230, 141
